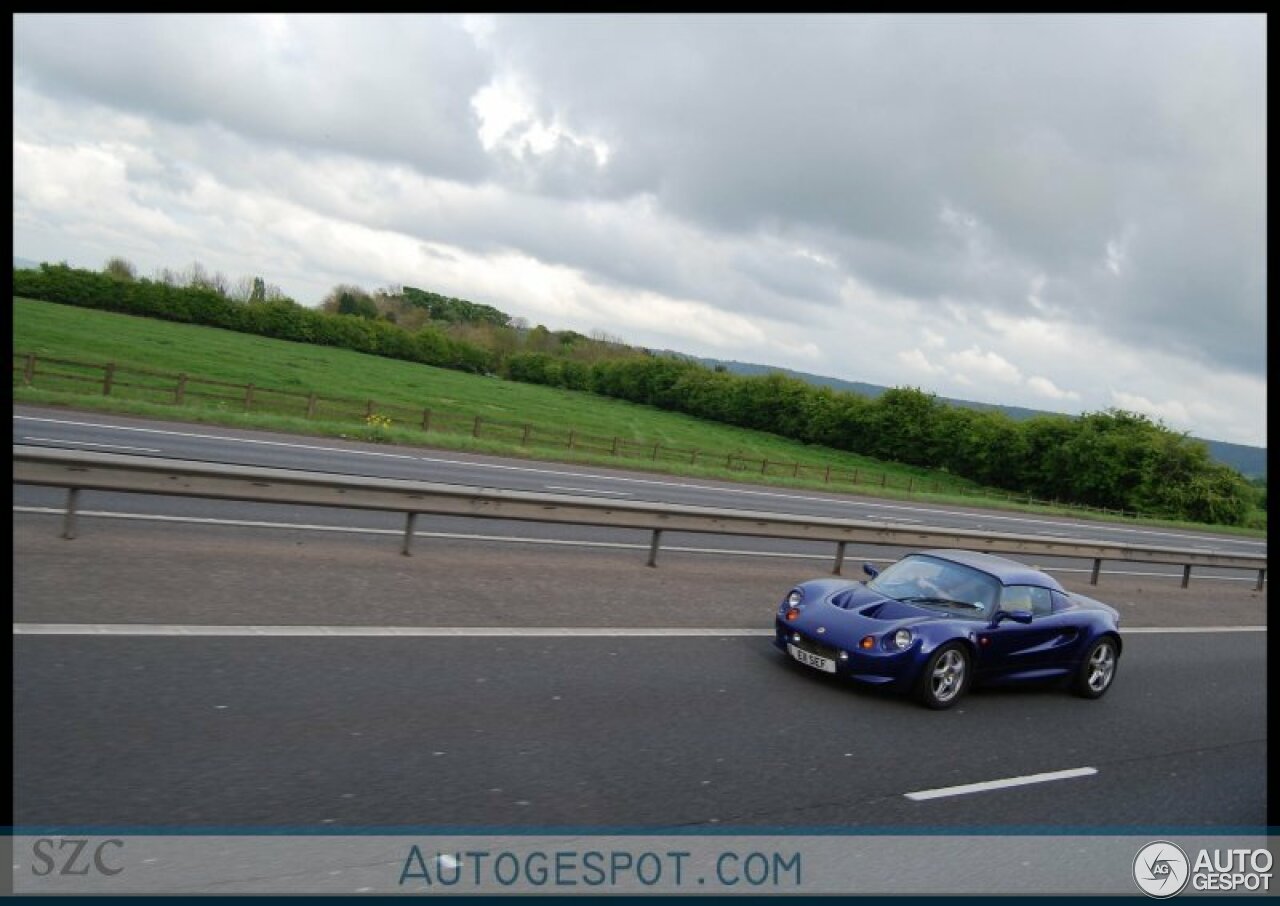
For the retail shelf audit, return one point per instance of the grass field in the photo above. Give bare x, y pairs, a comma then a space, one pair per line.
59, 331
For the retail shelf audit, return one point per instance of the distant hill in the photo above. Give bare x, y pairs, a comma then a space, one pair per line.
1249, 461
24, 264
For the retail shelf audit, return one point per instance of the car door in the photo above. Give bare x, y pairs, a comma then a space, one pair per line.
1027, 650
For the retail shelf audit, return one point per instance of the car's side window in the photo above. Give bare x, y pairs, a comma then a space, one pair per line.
1027, 597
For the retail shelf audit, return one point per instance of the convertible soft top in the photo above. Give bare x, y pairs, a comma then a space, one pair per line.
1008, 572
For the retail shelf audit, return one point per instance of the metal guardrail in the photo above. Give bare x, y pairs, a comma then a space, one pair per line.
77, 471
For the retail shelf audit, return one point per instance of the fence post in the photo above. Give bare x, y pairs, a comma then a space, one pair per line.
180, 393
883, 476
614, 451
570, 438
368, 410
911, 484
655, 453
728, 461
69, 518
653, 547
795, 470
855, 476
1097, 568
248, 397
29, 369
475, 429
1262, 578
524, 440
826, 476
311, 406
764, 464
426, 419
1186, 575
409, 520
840, 546
108, 375
693, 459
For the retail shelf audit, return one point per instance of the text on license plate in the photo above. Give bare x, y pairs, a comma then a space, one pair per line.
813, 660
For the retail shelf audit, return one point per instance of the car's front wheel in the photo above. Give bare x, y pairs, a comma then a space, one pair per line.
945, 677
1097, 670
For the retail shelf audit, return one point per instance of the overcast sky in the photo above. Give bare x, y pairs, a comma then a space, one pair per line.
1059, 212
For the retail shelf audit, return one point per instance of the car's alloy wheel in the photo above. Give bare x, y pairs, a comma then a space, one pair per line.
1098, 669
945, 677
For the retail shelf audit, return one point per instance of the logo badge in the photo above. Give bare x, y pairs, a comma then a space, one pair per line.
1161, 869
821, 630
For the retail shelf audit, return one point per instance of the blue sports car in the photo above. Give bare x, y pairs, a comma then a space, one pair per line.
936, 622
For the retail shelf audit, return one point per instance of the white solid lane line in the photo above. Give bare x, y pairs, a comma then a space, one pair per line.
197, 629
553, 487
988, 785
85, 443
177, 629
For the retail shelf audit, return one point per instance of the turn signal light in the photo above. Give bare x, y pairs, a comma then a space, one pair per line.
793, 613
867, 642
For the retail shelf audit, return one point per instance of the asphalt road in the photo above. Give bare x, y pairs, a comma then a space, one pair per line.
207, 443
702, 732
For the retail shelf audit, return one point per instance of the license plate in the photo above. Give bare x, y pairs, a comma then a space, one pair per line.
821, 663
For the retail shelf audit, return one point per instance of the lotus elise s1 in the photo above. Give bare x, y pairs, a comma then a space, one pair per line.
936, 622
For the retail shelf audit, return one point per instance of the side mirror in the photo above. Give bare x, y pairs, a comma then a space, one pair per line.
1018, 616
870, 570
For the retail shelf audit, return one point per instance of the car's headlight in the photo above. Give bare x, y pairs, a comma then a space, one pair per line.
902, 639
795, 597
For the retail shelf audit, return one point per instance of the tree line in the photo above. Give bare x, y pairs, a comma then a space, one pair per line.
1113, 459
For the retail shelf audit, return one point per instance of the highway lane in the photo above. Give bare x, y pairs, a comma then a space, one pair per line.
94, 431
573, 732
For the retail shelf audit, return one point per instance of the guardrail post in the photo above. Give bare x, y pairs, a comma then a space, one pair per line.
1186, 575
840, 546
409, 520
69, 518
653, 547
108, 375
1097, 568
1262, 578
29, 369
180, 392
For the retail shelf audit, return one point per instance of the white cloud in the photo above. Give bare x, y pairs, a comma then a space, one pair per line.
976, 365
918, 361
1046, 388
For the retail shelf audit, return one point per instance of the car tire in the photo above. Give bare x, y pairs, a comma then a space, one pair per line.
945, 677
1097, 671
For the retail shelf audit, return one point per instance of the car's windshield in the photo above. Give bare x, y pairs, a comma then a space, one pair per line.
930, 582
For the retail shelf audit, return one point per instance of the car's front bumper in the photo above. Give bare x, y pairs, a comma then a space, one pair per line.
877, 666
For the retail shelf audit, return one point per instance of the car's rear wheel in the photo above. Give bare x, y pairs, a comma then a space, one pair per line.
945, 677
1097, 670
